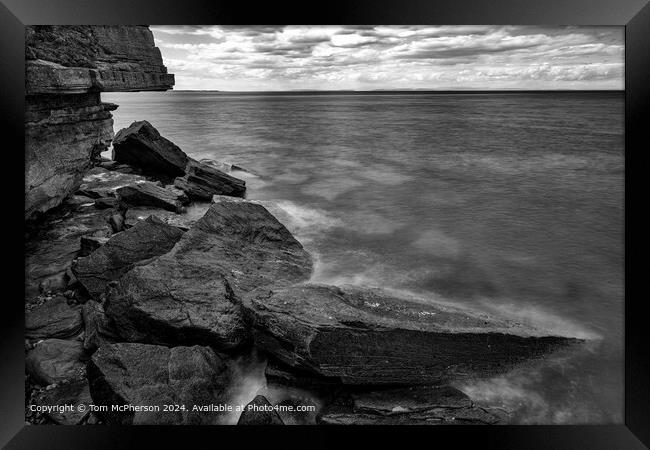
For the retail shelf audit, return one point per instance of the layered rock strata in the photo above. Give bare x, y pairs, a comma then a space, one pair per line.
422, 405
364, 336
66, 124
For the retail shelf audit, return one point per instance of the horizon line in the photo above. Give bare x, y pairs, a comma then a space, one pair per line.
361, 91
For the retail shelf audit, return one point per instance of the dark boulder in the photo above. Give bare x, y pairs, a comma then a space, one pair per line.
151, 375
75, 393
202, 181
55, 360
370, 337
91, 243
116, 221
420, 405
259, 412
98, 328
105, 202
53, 319
120, 253
141, 145
149, 194
191, 294
52, 246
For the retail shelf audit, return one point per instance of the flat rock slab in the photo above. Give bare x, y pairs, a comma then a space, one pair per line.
147, 239
365, 336
420, 405
141, 145
150, 194
259, 411
201, 181
101, 183
191, 294
74, 393
141, 374
55, 360
53, 319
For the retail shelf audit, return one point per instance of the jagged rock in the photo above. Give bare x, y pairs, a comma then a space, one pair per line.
142, 146
182, 196
99, 183
183, 221
202, 181
421, 405
53, 319
105, 203
117, 221
259, 412
77, 201
120, 253
91, 243
66, 124
370, 337
55, 360
221, 166
191, 294
98, 327
72, 393
141, 374
148, 194
50, 248
292, 400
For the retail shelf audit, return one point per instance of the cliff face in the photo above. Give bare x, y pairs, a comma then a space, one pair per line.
66, 124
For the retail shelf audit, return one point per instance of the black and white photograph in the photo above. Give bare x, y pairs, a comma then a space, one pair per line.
324, 225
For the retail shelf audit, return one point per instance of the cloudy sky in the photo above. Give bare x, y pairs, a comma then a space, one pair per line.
257, 58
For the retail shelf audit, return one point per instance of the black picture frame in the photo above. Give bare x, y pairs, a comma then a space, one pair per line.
633, 14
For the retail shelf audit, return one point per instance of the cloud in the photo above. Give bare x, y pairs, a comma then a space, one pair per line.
392, 57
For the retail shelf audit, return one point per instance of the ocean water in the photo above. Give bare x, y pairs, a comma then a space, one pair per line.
509, 203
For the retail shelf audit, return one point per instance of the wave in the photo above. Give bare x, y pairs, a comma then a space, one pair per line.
532, 395
538, 317
302, 221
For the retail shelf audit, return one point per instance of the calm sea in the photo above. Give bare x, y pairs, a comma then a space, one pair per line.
506, 202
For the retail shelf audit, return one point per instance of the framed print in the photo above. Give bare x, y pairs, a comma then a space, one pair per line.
288, 224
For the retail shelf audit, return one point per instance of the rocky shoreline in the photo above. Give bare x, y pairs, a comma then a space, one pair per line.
139, 299
150, 280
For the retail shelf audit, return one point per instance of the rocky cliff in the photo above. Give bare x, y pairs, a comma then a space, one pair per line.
66, 124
